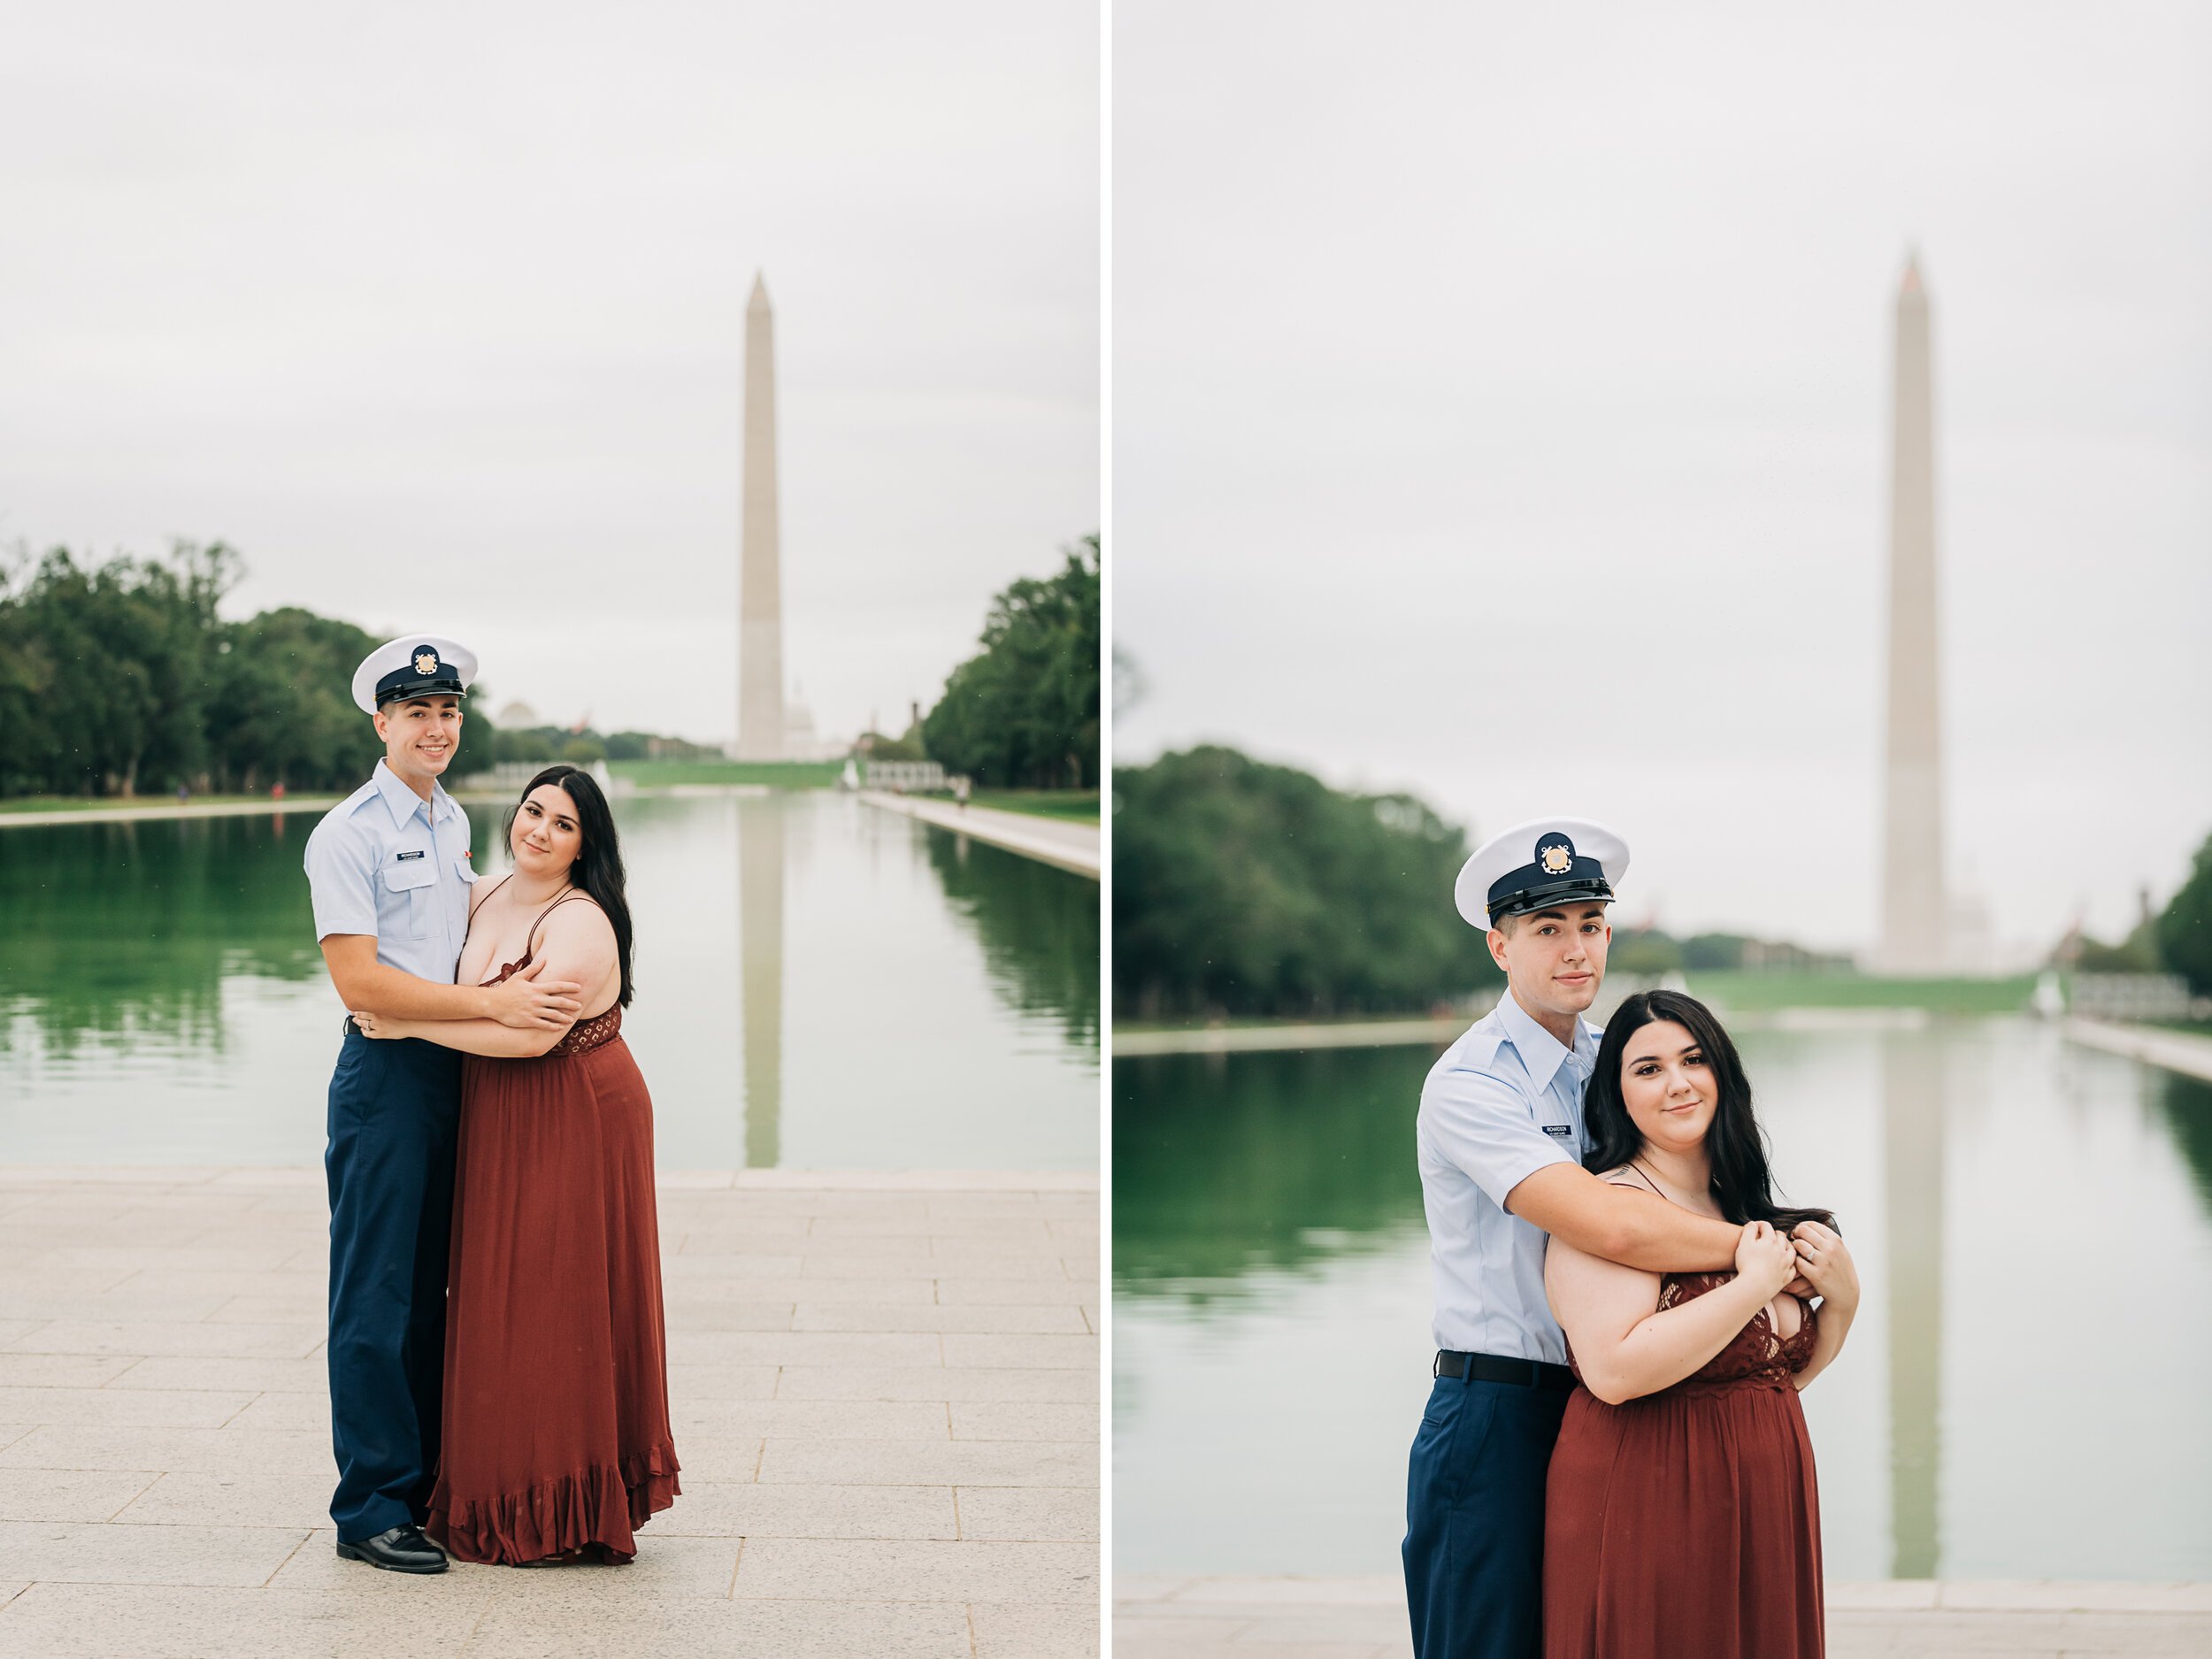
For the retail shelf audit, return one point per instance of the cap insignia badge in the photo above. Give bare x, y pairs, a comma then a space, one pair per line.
1557, 859
425, 662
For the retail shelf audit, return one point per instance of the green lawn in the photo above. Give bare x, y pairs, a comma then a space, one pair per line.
1079, 806
775, 774
1758, 991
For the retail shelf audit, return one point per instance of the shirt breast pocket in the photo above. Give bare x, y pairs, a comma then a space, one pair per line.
408, 911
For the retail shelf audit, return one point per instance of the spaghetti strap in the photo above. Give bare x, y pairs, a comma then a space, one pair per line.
495, 887
1648, 1181
530, 941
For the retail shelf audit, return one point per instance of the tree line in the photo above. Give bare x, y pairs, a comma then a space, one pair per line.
1023, 712
118, 677
2176, 939
2179, 938
1246, 889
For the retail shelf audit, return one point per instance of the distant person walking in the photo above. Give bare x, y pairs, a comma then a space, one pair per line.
1499, 1138
389, 872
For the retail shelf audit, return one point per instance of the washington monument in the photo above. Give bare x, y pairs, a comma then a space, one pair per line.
1914, 906
760, 584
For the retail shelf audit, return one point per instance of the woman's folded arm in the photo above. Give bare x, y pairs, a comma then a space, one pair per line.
1625, 1346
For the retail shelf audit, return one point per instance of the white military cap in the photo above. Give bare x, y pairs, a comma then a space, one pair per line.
1533, 866
413, 665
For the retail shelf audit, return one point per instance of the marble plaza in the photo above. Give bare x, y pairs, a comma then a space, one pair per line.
884, 1389
1365, 1618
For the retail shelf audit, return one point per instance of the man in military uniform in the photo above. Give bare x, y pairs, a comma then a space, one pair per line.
389, 872
1500, 1141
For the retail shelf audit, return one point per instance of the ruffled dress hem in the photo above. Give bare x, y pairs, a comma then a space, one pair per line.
597, 1509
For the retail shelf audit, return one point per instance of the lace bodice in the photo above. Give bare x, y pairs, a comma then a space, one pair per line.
586, 1034
1755, 1357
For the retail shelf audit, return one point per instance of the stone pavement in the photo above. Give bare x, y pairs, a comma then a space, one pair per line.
884, 1391
1365, 1618
2187, 1052
1052, 841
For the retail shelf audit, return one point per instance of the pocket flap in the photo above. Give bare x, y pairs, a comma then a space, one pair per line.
466, 871
414, 873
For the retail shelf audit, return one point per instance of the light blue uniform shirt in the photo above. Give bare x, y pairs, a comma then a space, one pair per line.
1503, 1102
384, 861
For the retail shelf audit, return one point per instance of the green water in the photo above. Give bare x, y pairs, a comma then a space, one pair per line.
2022, 1396
820, 985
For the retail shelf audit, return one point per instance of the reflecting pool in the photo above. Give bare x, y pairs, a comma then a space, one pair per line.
2022, 1396
820, 984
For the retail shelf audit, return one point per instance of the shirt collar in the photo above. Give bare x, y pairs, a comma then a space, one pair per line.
1541, 1053
404, 803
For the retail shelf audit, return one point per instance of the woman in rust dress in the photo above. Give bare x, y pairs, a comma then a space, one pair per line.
555, 1441
1681, 1513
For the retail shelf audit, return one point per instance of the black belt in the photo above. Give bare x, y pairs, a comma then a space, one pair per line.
1530, 1373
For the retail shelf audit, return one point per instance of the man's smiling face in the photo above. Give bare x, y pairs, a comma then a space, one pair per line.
1554, 958
421, 735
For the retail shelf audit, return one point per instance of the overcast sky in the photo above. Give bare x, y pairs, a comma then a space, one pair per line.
436, 312
1502, 413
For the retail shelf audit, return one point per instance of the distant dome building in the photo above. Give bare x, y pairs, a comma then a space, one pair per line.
518, 716
798, 728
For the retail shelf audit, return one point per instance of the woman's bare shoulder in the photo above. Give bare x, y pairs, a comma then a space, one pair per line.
480, 895
1624, 1175
578, 919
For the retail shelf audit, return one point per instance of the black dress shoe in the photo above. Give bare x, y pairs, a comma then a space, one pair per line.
402, 1549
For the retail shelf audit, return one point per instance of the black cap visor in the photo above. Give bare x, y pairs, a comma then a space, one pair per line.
1518, 900
404, 686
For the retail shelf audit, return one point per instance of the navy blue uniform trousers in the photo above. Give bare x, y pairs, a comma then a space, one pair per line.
394, 1108
1474, 1549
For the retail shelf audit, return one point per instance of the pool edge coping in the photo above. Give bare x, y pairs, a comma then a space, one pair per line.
1200, 1591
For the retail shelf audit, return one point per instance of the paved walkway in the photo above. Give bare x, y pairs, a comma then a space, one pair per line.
1049, 839
1351, 1034
261, 806
159, 807
884, 1391
2183, 1051
1365, 1618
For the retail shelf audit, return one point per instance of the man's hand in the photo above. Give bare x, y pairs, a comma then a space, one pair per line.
526, 1003
1829, 1266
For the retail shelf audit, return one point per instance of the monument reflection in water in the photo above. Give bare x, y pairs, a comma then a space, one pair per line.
820, 984
760, 857
2020, 1399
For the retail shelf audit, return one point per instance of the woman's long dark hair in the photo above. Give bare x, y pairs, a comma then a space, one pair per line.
598, 867
1734, 1145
